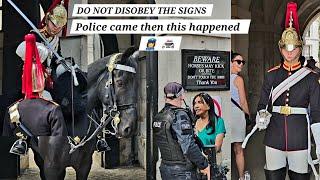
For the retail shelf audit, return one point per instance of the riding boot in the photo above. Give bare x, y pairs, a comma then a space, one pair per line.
102, 145
279, 174
19, 147
297, 176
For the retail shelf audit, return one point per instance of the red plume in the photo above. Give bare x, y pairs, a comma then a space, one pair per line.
54, 4
292, 7
31, 54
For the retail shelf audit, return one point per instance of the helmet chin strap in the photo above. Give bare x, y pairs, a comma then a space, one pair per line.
297, 56
49, 32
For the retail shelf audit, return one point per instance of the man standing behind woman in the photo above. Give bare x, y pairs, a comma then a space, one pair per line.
239, 108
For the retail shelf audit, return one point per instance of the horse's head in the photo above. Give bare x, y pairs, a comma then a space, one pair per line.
116, 87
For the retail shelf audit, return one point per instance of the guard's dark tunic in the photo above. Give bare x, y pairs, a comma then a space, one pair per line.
290, 133
41, 117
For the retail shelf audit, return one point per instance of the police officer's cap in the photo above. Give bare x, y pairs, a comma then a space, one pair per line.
152, 40
173, 90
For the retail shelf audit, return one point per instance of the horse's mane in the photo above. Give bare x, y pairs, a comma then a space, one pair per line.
98, 66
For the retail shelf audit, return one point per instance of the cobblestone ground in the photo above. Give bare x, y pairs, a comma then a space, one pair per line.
123, 173
99, 173
96, 173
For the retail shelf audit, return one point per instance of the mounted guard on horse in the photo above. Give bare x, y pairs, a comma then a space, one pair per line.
53, 66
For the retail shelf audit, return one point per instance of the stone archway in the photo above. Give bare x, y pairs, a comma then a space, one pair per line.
311, 39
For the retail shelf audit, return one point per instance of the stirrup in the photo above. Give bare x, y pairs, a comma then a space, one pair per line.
14, 150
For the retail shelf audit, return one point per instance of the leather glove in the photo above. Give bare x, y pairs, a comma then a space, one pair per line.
69, 62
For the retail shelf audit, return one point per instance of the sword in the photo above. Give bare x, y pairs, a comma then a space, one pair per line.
60, 59
244, 144
36, 30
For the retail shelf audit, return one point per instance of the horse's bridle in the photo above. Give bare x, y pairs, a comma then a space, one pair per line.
111, 112
112, 106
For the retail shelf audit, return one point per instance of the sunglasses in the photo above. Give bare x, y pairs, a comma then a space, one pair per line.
240, 61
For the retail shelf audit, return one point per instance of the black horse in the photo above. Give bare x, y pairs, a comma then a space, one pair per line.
123, 86
52, 154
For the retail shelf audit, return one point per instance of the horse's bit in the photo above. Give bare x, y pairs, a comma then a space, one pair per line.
110, 112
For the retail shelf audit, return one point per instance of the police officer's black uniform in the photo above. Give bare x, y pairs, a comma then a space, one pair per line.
174, 136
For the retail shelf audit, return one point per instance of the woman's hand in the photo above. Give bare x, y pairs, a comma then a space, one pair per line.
206, 171
219, 141
239, 83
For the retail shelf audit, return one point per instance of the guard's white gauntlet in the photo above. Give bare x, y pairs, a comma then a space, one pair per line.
315, 128
42, 49
263, 119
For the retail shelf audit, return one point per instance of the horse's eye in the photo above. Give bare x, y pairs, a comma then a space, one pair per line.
119, 83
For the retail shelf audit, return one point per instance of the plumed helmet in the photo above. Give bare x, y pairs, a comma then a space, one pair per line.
290, 38
58, 15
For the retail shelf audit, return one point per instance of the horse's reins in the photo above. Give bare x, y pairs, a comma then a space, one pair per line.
111, 113
72, 102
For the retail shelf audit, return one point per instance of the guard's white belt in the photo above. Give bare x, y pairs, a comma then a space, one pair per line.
287, 110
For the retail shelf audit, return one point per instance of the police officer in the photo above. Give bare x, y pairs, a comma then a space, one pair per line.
287, 91
174, 136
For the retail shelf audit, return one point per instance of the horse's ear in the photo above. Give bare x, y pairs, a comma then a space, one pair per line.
135, 55
130, 51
